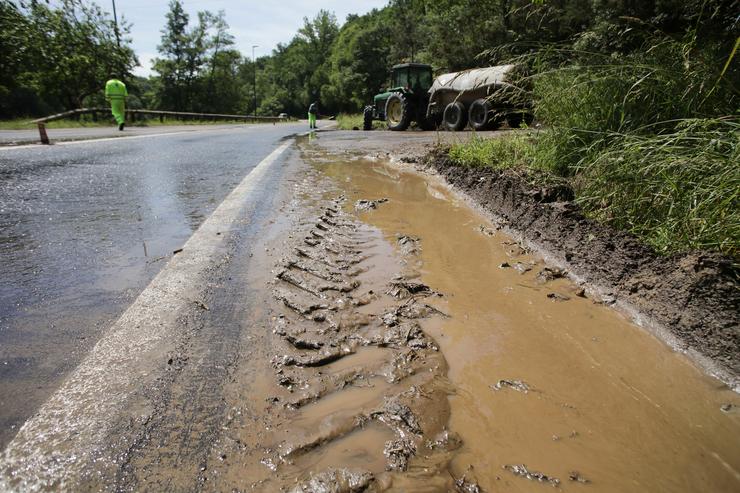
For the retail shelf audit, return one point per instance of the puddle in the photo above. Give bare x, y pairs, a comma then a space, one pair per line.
605, 401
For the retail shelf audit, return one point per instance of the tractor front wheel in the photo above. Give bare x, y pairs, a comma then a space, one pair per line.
398, 112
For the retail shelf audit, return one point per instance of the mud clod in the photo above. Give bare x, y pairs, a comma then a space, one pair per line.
548, 274
522, 267
397, 453
410, 245
398, 416
558, 297
575, 476
366, 205
445, 440
403, 289
518, 385
292, 302
522, 471
323, 358
463, 485
336, 481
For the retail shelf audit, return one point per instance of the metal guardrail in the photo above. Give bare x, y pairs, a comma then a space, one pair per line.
133, 113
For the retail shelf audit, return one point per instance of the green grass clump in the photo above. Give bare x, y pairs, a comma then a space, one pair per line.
679, 190
350, 121
499, 152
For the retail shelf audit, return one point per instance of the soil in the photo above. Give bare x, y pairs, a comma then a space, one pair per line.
695, 296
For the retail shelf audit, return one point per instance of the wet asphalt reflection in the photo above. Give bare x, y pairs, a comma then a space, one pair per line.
84, 228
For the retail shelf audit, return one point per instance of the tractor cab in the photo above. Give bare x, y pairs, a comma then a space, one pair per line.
413, 77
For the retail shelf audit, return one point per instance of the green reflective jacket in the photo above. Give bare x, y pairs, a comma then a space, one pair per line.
115, 89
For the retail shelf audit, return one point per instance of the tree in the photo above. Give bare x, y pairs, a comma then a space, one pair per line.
56, 58
359, 62
172, 66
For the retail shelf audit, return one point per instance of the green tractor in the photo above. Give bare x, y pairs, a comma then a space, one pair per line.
406, 101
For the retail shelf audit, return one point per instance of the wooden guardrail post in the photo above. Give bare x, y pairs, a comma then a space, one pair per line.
42, 134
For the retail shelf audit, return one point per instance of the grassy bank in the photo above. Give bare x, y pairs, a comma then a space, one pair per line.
648, 142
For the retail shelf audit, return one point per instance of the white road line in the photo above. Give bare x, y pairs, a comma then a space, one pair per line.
66, 437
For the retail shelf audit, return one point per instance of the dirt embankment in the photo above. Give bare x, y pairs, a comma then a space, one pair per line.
695, 296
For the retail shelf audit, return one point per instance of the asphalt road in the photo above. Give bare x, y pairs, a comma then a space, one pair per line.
85, 227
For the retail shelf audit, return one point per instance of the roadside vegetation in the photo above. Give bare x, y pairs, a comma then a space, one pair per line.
649, 139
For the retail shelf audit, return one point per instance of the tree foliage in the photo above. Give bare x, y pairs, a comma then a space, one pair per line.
56, 58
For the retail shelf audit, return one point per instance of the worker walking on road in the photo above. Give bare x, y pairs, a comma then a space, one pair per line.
115, 92
313, 110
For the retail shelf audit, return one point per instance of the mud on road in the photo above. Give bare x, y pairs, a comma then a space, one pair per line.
361, 387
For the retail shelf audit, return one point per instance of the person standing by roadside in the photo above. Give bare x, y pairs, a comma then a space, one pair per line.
115, 93
313, 110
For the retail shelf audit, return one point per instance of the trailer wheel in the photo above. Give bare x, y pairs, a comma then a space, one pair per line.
367, 118
480, 114
398, 112
455, 116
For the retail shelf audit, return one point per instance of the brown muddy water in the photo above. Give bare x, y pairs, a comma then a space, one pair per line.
548, 385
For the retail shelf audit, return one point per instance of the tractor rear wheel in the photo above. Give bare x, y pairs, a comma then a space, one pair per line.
455, 116
398, 112
367, 118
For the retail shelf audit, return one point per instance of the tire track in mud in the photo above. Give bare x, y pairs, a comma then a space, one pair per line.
350, 393
359, 369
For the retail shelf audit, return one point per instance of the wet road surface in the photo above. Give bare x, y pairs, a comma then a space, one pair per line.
84, 227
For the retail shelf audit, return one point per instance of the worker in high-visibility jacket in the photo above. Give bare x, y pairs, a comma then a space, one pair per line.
115, 92
313, 111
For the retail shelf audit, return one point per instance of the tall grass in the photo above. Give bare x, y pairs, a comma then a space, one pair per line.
677, 190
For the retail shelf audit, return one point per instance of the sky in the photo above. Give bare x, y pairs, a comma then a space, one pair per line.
264, 23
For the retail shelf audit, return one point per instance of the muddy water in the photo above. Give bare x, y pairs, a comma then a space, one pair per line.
583, 395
